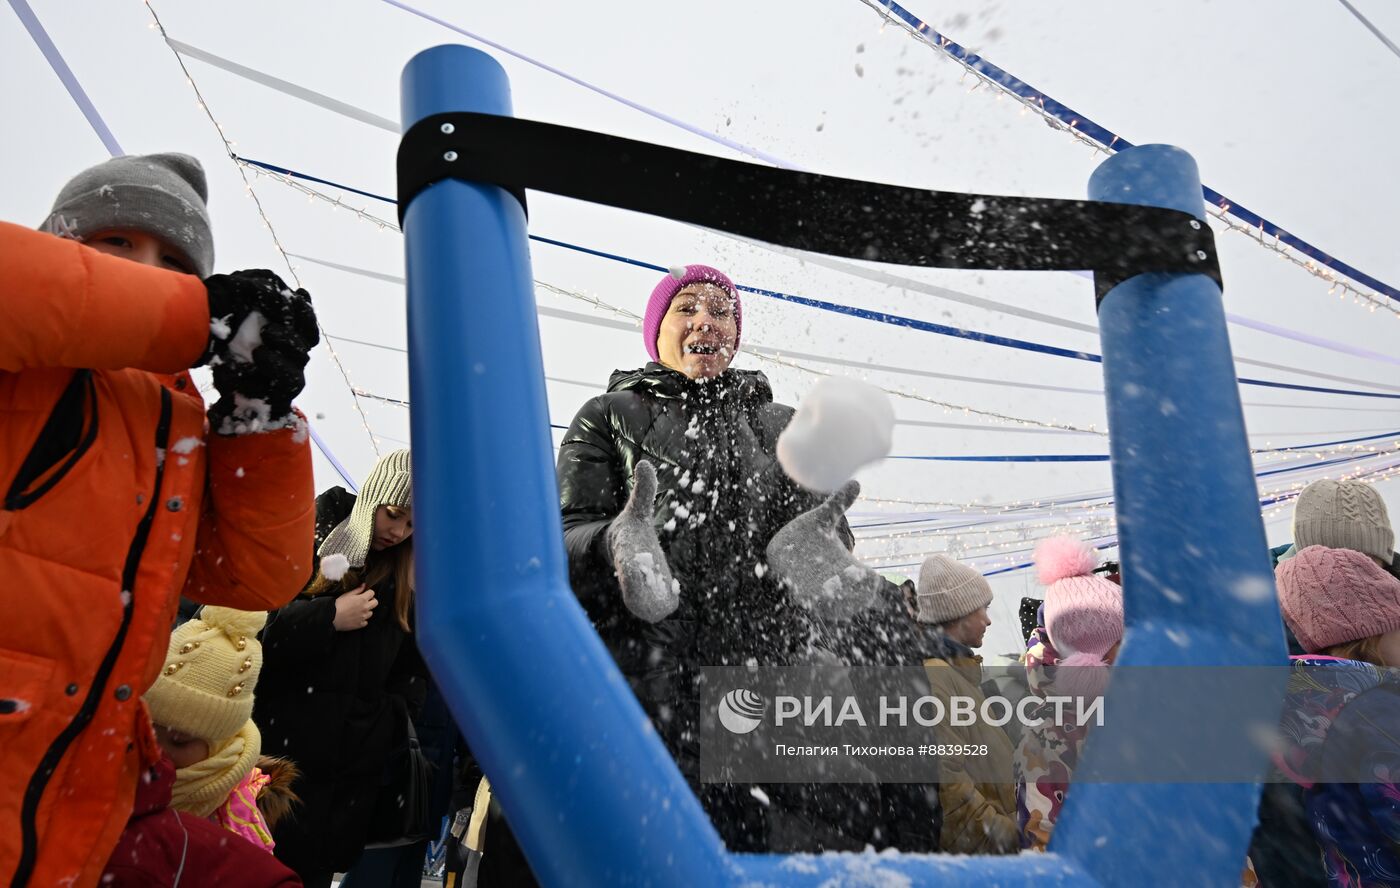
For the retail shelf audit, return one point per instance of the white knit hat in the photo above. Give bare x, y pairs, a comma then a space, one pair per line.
211, 666
390, 484
949, 590
1343, 515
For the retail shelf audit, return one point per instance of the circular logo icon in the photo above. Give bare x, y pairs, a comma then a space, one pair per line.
741, 710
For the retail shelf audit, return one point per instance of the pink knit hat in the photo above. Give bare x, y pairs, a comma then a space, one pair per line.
1083, 613
1331, 596
666, 289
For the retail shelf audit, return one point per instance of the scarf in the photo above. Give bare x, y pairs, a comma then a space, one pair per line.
204, 786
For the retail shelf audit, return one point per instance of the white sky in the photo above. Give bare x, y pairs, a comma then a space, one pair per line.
1288, 108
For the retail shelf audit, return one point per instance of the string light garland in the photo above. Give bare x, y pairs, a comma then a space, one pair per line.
1006, 521
993, 520
1273, 508
947, 406
1037, 106
1336, 284
313, 194
262, 212
363, 116
1094, 501
292, 179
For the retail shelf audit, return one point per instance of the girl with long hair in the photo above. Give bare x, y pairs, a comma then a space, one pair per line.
341, 671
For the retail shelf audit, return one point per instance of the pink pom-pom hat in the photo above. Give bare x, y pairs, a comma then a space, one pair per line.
1063, 556
666, 290
1083, 611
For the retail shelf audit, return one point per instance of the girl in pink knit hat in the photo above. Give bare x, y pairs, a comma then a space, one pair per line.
1070, 655
1340, 729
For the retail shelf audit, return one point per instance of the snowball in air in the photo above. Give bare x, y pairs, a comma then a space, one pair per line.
842, 425
334, 566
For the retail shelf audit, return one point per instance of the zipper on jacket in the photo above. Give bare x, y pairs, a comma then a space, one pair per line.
39, 781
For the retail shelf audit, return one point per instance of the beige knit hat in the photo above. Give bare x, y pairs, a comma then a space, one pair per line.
390, 484
1343, 515
211, 667
949, 590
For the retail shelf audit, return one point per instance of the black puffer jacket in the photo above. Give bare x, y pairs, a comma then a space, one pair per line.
721, 496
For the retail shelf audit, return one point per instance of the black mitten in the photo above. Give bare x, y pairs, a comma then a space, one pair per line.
256, 395
261, 334
235, 298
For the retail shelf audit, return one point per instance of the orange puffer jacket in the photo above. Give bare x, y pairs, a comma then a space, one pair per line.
115, 502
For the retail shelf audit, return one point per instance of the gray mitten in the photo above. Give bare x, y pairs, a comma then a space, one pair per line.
648, 589
814, 563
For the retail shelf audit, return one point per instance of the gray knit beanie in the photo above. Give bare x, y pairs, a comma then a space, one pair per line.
1343, 515
164, 195
949, 590
390, 484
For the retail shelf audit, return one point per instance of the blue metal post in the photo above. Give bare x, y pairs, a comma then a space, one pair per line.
1198, 591
587, 787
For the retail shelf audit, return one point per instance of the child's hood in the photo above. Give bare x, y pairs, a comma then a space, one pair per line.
1319, 688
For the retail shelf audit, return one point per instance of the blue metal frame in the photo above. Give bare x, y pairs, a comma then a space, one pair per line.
590, 791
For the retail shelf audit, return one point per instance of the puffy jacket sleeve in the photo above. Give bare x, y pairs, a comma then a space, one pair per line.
255, 545
67, 305
592, 486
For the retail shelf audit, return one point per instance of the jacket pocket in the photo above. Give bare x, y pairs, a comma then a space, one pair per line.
24, 683
67, 435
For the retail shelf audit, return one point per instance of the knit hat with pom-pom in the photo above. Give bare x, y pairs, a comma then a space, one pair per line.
1332, 596
666, 289
1083, 612
212, 663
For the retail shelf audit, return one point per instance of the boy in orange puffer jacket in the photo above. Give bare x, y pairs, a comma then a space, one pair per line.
118, 495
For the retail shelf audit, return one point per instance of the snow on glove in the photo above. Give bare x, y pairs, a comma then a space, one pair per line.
810, 558
648, 589
242, 303
258, 365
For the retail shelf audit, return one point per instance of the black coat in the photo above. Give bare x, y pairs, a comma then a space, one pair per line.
336, 703
721, 496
